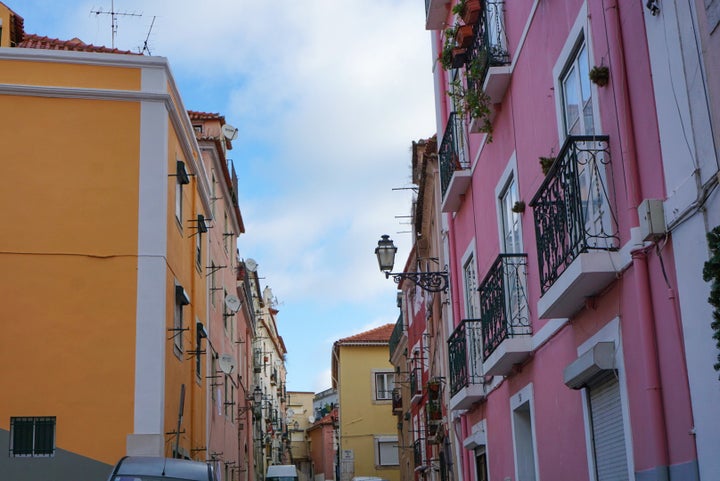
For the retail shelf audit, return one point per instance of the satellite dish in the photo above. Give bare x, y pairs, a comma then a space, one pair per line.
229, 132
290, 412
311, 419
226, 363
232, 303
251, 265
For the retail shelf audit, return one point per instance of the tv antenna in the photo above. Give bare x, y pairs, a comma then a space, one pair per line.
146, 48
113, 17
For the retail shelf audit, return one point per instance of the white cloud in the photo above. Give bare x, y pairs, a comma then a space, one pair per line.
328, 96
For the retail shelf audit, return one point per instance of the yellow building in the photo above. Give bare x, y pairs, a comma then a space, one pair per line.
364, 379
102, 260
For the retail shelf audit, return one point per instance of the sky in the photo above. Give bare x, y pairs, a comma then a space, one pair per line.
328, 96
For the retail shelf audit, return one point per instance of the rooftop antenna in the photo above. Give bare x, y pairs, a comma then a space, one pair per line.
113, 17
145, 44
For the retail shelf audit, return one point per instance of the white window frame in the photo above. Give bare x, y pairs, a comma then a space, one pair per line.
470, 286
608, 333
375, 385
383, 440
578, 33
517, 401
508, 176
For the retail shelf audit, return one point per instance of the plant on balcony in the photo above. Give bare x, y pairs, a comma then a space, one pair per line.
433, 389
469, 11
473, 102
464, 36
434, 411
546, 163
452, 55
518, 207
711, 273
600, 75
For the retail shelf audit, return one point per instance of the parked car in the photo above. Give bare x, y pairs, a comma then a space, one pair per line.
150, 468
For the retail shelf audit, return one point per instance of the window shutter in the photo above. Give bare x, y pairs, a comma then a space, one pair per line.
608, 432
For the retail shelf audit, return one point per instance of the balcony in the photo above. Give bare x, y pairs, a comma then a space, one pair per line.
455, 174
415, 385
418, 454
397, 407
488, 66
436, 12
575, 227
396, 336
506, 331
465, 359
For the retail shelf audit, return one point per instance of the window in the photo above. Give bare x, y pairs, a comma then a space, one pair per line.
214, 194
213, 286
386, 451
481, 464
607, 427
472, 311
577, 96
523, 434
198, 250
181, 300
384, 385
510, 221
32, 436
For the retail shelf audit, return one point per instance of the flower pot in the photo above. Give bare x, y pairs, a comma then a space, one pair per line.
459, 57
600, 76
464, 36
471, 12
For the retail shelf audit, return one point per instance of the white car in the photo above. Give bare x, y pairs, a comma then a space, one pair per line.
150, 468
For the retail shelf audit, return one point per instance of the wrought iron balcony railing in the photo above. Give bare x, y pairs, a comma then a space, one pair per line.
397, 406
417, 453
503, 302
572, 209
451, 154
465, 355
396, 335
489, 47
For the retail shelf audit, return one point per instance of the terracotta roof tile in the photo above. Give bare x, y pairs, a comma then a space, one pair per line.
194, 115
379, 334
76, 45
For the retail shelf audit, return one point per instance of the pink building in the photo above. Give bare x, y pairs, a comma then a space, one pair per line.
565, 354
322, 446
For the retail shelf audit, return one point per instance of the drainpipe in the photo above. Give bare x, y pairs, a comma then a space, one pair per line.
653, 424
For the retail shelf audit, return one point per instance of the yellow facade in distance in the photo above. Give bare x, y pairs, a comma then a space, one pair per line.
92, 252
364, 420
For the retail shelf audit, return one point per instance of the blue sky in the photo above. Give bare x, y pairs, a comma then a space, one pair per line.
328, 96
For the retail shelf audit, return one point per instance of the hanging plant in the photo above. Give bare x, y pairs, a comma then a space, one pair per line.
473, 102
711, 273
600, 75
518, 207
546, 163
446, 54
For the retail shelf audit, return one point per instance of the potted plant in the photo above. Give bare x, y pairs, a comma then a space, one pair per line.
433, 388
434, 411
600, 75
518, 207
469, 11
464, 35
446, 54
546, 163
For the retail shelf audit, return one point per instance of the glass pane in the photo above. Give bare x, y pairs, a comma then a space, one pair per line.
571, 100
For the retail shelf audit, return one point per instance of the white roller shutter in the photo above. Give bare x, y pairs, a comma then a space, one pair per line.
608, 429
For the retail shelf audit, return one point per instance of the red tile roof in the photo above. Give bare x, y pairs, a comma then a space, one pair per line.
378, 335
76, 45
194, 115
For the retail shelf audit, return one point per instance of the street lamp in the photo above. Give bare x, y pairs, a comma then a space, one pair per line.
428, 281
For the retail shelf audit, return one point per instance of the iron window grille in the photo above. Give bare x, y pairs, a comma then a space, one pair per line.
32, 436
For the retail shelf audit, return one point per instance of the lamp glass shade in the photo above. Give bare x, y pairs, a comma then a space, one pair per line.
257, 395
385, 252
